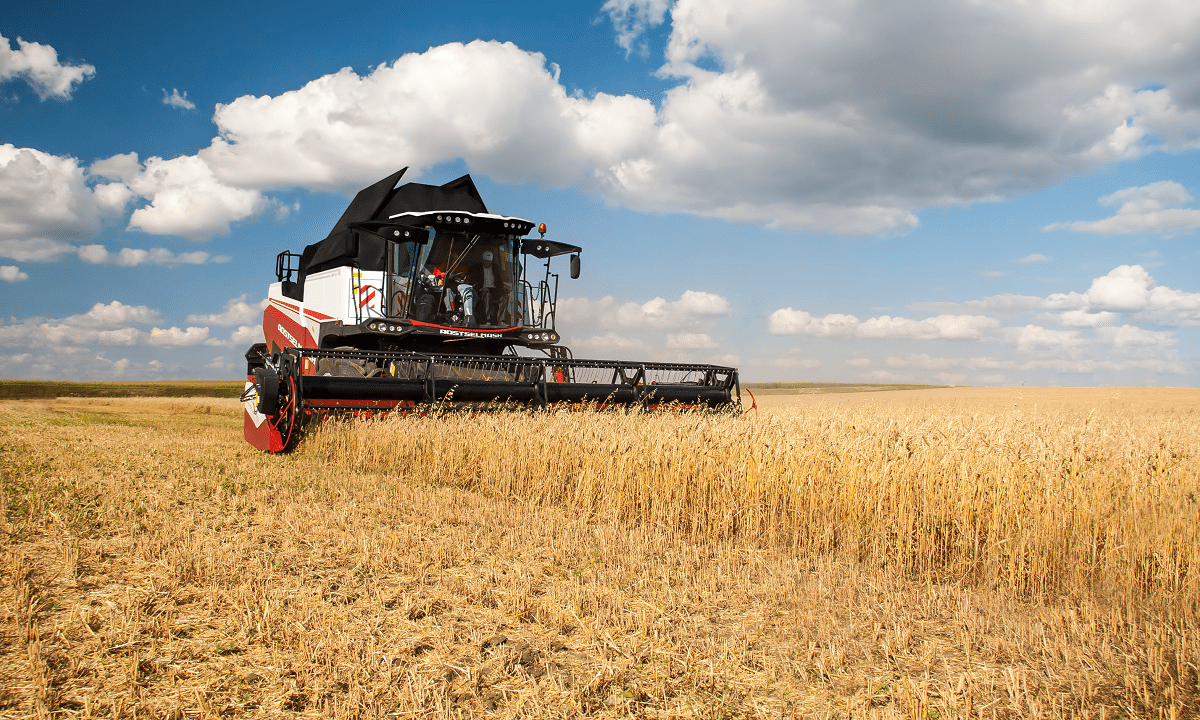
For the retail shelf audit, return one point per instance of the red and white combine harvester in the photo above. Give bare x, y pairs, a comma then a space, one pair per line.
420, 296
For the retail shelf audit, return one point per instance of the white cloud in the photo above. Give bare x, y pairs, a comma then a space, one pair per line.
1035, 338
1130, 336
994, 273
790, 363
174, 337
925, 361
1034, 258
38, 65
610, 341
691, 341
113, 324
187, 199
1153, 208
493, 104
1125, 289
693, 308
823, 117
131, 257
247, 335
12, 273
237, 312
631, 18
83, 365
856, 105
218, 363
45, 203
1097, 334
114, 314
787, 321
878, 123
1092, 366
176, 100
124, 167
1083, 318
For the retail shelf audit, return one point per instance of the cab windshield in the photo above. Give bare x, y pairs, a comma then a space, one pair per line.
456, 279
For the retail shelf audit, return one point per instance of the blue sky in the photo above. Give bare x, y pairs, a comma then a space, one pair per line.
942, 192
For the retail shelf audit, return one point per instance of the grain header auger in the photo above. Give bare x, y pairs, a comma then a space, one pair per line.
419, 297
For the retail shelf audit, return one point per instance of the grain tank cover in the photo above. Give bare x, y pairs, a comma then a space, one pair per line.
345, 245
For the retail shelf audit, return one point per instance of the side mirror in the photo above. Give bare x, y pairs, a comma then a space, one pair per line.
575, 266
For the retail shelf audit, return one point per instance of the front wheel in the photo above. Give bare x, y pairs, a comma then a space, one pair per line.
272, 421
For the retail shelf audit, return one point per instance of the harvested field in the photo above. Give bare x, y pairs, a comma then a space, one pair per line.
938, 553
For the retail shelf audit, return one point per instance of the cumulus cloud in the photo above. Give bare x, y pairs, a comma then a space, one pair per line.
865, 105
187, 199
691, 341
132, 257
793, 361
237, 312
111, 324
954, 369
824, 117
1128, 289
1034, 258
492, 104
631, 18
175, 337
787, 321
1089, 366
38, 65
177, 100
46, 203
1154, 208
114, 314
1083, 318
1035, 338
123, 167
83, 365
610, 341
246, 335
691, 309
1130, 337
12, 273
925, 361
1099, 331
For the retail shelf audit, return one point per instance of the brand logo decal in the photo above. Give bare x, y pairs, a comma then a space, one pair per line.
288, 335
464, 333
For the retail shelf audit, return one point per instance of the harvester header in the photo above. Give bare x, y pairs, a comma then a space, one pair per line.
419, 295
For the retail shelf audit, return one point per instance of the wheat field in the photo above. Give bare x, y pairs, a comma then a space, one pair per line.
950, 553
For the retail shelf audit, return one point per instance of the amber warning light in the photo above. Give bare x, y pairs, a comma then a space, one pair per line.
542, 228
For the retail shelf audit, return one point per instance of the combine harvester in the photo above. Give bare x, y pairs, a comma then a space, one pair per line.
421, 297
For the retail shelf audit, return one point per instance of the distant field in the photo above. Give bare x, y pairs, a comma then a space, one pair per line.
33, 389
934, 553
827, 388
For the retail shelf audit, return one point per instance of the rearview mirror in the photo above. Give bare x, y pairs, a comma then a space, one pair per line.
575, 266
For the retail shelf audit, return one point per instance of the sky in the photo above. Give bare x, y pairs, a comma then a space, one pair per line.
974, 192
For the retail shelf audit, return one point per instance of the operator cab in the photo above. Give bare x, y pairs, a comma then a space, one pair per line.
458, 277
426, 268
471, 271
